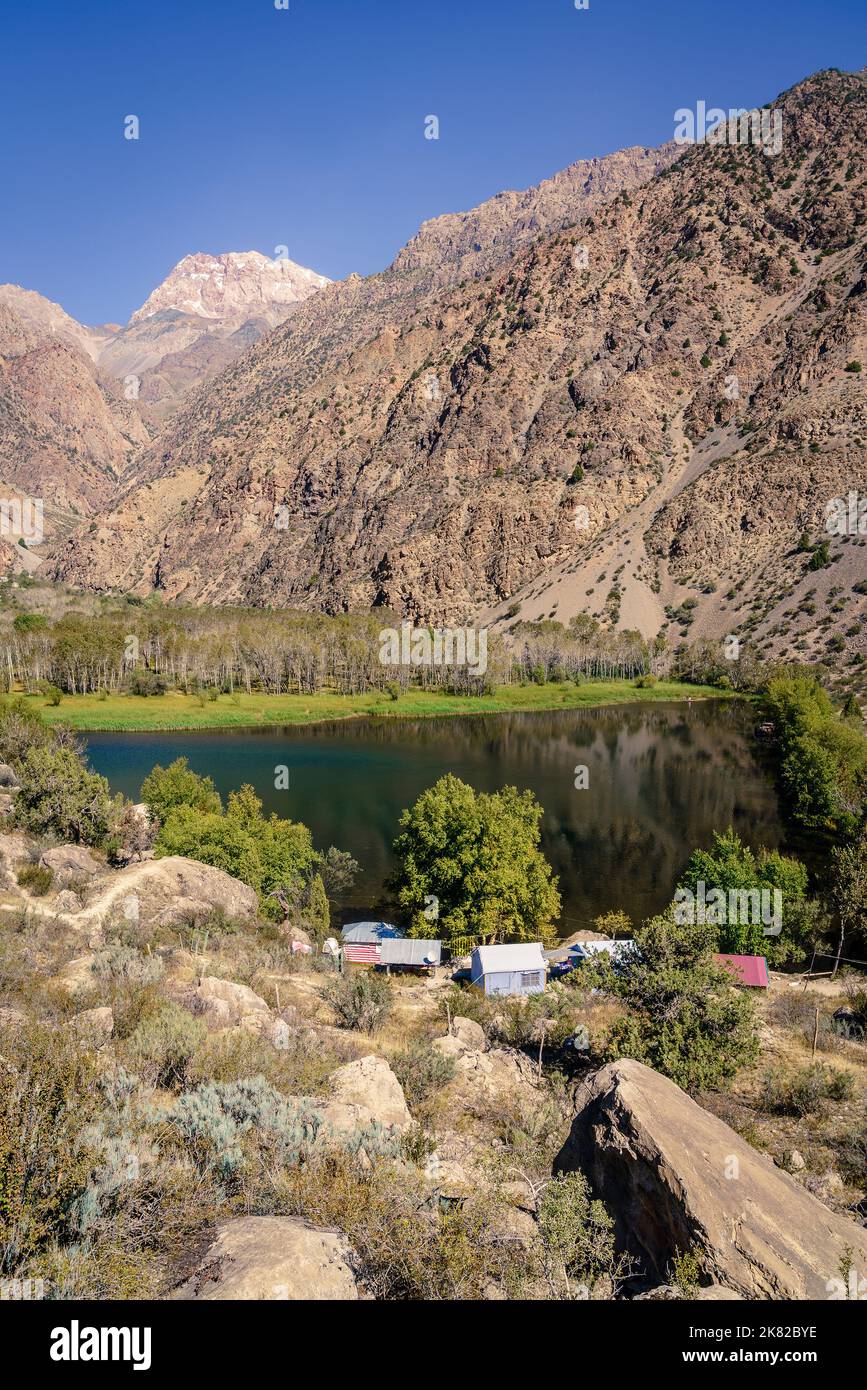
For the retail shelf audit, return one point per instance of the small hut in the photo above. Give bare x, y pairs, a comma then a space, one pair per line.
362, 941
409, 953
518, 969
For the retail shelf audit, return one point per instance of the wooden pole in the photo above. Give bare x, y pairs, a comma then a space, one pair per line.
816, 1031
810, 971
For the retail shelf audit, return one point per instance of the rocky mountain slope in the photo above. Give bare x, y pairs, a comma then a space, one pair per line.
637, 418
66, 433
357, 316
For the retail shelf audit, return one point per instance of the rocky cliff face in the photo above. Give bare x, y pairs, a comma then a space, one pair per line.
66, 433
635, 418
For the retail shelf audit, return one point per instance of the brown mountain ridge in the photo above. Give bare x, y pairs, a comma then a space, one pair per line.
635, 418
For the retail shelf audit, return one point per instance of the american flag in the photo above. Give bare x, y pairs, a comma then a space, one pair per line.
362, 953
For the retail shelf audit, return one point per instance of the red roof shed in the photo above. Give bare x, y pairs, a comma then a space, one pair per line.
749, 970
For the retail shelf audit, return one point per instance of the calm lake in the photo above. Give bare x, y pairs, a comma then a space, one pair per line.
662, 778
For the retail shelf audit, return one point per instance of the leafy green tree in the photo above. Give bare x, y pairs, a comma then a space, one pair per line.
823, 758
211, 838
21, 728
338, 870
60, 796
849, 890
731, 866
685, 1015
274, 856
478, 855
167, 788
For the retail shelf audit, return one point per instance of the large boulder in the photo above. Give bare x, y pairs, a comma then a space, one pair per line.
676, 1178
69, 862
230, 1002
363, 1093
273, 1257
14, 852
8, 777
143, 892
466, 1036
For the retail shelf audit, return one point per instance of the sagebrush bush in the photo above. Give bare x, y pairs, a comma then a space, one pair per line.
162, 1044
119, 962
48, 1095
360, 999
422, 1072
214, 1118
36, 878
804, 1092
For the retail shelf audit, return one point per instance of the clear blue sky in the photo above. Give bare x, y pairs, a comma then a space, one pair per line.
304, 127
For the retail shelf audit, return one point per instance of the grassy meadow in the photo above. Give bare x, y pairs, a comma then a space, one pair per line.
174, 710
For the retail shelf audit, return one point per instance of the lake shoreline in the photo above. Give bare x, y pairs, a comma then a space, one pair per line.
178, 713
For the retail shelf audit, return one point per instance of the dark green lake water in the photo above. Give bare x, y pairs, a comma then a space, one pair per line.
662, 778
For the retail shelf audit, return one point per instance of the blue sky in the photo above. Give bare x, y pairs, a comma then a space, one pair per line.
305, 127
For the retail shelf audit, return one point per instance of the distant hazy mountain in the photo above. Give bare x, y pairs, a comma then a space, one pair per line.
206, 312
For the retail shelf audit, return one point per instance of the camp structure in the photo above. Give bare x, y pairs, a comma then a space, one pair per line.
518, 969
362, 941
404, 953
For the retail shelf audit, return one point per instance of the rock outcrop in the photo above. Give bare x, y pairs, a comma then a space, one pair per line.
273, 1258
69, 862
466, 1036
363, 1093
676, 1178
144, 892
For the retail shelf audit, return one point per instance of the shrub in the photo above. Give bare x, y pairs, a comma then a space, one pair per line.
48, 1095
300, 1068
360, 999
36, 878
163, 1043
578, 1239
120, 962
422, 1072
214, 1119
144, 682
686, 1017
645, 682
167, 788
406, 1249
59, 795
804, 1092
